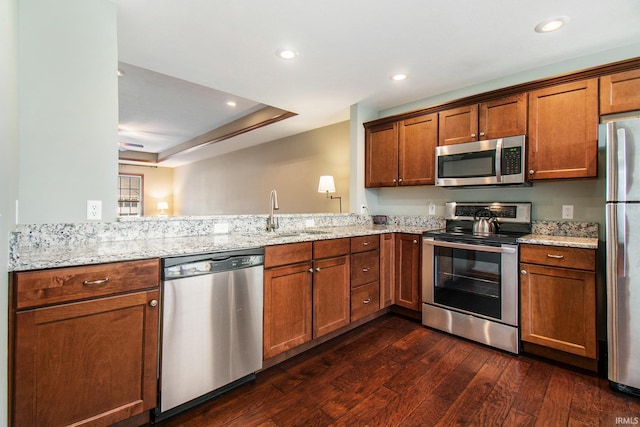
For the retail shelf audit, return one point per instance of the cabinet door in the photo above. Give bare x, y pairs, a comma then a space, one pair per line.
559, 308
620, 92
563, 131
408, 271
504, 117
418, 138
381, 156
458, 125
387, 270
331, 295
91, 362
287, 308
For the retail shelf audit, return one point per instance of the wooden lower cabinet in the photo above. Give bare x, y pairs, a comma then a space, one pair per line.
331, 295
90, 362
305, 300
287, 308
407, 271
558, 299
387, 270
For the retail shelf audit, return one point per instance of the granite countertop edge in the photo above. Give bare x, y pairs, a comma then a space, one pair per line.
566, 241
129, 250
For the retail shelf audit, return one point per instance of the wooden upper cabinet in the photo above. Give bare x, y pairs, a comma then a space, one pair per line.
459, 125
503, 117
489, 120
563, 131
620, 92
381, 156
418, 138
402, 152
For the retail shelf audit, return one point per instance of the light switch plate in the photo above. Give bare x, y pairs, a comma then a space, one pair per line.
567, 211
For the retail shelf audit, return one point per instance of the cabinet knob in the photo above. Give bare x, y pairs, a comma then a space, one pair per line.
366, 269
481, 133
415, 241
523, 271
531, 172
367, 301
153, 303
394, 180
473, 135
400, 180
311, 270
317, 268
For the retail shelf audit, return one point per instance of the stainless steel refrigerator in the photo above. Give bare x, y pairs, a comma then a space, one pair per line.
622, 136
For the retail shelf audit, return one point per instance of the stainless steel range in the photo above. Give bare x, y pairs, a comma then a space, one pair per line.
470, 272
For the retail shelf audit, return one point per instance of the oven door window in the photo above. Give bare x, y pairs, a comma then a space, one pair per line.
468, 280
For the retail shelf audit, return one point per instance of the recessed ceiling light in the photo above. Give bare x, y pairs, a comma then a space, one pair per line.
286, 53
231, 103
398, 77
553, 24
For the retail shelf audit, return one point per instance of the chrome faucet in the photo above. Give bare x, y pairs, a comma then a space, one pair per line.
272, 222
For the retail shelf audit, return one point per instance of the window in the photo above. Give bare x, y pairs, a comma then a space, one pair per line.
129, 195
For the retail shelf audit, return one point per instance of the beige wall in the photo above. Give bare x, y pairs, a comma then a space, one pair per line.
157, 186
240, 182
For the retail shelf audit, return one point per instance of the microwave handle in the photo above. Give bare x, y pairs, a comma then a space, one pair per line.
499, 160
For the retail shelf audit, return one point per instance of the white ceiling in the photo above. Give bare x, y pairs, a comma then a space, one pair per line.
349, 48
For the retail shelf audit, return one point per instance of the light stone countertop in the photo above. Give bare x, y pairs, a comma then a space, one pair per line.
567, 241
66, 255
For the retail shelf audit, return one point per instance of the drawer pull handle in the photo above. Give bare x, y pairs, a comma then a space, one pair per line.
96, 282
366, 269
365, 243
153, 303
555, 256
367, 301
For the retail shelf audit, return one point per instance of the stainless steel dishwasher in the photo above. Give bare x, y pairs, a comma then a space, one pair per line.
211, 326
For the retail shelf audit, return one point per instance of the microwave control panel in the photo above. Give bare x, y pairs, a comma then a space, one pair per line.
512, 161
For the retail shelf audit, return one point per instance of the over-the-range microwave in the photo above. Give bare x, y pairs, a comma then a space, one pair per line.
491, 162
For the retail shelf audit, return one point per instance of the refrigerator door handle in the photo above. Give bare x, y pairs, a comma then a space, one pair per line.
622, 164
612, 285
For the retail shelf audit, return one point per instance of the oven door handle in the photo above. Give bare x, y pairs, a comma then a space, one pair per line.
481, 248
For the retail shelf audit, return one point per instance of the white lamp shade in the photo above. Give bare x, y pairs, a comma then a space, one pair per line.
163, 205
326, 184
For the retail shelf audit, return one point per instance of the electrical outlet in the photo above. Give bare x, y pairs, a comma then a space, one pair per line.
94, 210
221, 228
567, 211
432, 209
364, 209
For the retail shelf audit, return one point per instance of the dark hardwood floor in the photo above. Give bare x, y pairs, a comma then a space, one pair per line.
395, 372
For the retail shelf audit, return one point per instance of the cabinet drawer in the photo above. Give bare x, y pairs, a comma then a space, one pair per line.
558, 256
290, 253
44, 287
330, 248
620, 92
365, 268
365, 300
365, 243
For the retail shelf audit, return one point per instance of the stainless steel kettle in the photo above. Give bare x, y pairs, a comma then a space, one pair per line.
484, 222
